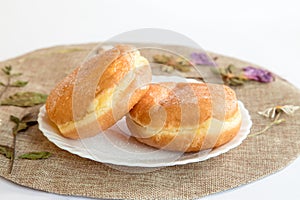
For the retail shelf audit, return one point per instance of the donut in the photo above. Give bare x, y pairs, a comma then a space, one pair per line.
185, 117
99, 92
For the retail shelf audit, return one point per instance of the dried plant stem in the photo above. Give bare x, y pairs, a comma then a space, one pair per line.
5, 86
275, 122
22, 99
13, 154
14, 135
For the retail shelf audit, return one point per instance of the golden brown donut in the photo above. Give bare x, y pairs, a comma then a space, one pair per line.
186, 117
99, 92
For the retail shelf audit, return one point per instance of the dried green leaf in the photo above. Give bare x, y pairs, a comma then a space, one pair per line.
31, 123
20, 126
24, 99
15, 119
162, 59
36, 155
236, 81
2, 84
6, 151
233, 70
6, 70
16, 74
19, 83
182, 61
182, 68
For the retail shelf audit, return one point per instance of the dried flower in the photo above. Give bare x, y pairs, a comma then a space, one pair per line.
201, 59
272, 112
257, 74
231, 75
234, 76
178, 63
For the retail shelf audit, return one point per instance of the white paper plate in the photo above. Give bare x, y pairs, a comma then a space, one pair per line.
115, 146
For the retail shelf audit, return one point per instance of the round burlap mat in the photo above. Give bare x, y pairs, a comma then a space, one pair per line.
68, 174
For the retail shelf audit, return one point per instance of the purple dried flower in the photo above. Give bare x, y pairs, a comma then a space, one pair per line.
201, 59
256, 74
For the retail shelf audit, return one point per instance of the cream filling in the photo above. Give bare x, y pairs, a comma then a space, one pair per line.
211, 128
103, 102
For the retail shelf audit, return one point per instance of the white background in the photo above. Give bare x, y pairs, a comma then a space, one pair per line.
263, 32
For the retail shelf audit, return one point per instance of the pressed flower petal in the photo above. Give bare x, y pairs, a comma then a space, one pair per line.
269, 113
289, 109
257, 74
201, 59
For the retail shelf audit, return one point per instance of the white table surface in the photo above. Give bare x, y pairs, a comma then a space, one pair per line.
263, 32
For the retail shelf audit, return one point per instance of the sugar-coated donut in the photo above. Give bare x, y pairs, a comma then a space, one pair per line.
186, 117
99, 92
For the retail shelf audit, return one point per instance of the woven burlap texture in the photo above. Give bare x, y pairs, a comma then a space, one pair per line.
68, 174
